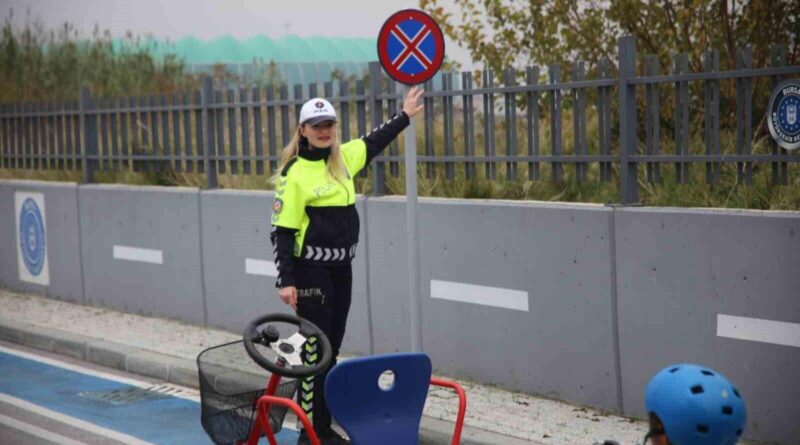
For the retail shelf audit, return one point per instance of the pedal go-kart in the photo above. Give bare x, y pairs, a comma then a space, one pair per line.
236, 409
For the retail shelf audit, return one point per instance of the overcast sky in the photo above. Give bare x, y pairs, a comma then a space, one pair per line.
207, 19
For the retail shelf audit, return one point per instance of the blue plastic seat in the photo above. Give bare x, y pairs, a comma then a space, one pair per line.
372, 415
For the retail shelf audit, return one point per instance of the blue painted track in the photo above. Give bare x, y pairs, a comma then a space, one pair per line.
166, 421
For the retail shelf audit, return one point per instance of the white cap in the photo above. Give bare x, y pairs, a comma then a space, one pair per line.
315, 111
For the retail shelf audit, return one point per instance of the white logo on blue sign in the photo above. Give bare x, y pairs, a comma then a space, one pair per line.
31, 236
784, 125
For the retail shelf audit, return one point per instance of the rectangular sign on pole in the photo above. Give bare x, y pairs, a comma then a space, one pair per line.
31, 238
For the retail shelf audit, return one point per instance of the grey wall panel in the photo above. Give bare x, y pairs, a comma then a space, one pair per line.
388, 274
678, 269
8, 238
155, 218
559, 254
357, 338
61, 239
236, 227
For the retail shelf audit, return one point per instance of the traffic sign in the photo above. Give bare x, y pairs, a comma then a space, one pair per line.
410, 46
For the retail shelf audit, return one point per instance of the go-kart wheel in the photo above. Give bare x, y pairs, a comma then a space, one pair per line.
287, 350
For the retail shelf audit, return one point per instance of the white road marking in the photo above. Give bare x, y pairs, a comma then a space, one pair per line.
138, 254
35, 431
72, 421
260, 267
484, 295
190, 394
757, 329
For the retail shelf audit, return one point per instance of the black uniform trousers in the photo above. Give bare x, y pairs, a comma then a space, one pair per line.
323, 298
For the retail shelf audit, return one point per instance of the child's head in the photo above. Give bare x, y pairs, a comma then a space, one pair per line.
693, 405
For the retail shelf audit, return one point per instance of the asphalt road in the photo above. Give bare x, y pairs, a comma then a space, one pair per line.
48, 399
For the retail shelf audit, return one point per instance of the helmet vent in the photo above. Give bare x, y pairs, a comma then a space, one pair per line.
739, 432
707, 372
697, 389
674, 370
737, 393
702, 429
727, 410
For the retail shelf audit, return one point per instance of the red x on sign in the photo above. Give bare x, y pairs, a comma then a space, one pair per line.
410, 46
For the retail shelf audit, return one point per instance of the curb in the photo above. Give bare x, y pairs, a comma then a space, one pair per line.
183, 372
102, 352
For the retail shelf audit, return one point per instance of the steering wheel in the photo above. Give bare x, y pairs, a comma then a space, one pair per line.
287, 350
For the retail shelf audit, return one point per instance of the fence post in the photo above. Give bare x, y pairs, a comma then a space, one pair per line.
629, 184
376, 110
3, 132
206, 99
779, 169
25, 145
88, 136
5, 146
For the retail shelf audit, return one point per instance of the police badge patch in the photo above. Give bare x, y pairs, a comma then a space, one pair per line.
783, 121
277, 206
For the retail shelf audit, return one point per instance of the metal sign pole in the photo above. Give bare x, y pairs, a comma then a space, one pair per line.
394, 50
412, 233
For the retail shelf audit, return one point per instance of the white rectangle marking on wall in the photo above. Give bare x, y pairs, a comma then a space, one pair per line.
260, 267
484, 295
137, 254
756, 329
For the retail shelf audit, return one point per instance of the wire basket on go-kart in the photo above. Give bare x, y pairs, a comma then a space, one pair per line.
230, 385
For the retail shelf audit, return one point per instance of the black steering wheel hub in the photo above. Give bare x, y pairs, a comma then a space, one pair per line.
270, 335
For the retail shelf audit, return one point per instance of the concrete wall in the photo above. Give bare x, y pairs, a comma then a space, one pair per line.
153, 218
558, 254
678, 270
61, 235
579, 302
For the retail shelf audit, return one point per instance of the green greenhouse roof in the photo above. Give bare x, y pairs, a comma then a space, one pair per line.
226, 49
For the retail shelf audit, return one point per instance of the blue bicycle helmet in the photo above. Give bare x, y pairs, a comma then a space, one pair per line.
696, 405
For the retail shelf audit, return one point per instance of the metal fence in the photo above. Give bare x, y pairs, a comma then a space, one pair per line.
241, 131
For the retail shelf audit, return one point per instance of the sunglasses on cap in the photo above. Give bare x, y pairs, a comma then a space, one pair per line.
324, 125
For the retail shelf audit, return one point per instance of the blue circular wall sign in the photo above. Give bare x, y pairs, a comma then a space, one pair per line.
31, 236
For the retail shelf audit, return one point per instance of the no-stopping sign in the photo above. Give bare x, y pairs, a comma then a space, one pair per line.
410, 46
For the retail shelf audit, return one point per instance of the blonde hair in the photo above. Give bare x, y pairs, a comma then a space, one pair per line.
336, 166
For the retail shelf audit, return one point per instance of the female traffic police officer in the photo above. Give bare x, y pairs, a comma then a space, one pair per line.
315, 230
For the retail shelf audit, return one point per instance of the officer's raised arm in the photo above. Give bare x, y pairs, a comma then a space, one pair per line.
377, 140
